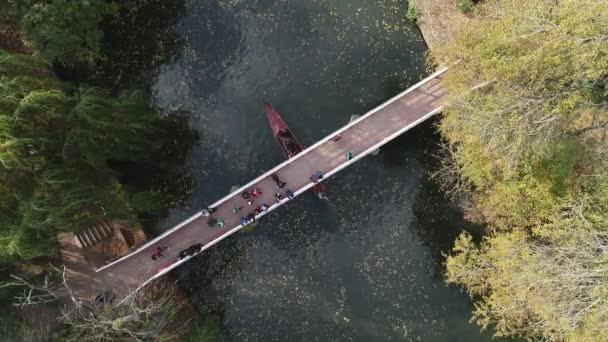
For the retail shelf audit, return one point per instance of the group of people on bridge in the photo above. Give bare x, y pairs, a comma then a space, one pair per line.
249, 196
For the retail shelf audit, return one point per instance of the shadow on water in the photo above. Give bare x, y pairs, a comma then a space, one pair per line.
221, 260
141, 38
435, 216
213, 38
163, 173
137, 41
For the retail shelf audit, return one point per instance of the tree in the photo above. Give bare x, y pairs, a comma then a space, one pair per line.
10, 9
552, 286
530, 149
55, 145
543, 115
149, 314
65, 30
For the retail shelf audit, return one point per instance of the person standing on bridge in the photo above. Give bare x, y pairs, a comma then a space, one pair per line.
255, 192
207, 211
289, 194
316, 177
349, 155
277, 180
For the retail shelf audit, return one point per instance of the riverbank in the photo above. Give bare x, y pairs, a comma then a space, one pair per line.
438, 20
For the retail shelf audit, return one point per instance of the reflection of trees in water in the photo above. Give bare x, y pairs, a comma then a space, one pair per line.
199, 277
437, 220
138, 40
164, 172
213, 43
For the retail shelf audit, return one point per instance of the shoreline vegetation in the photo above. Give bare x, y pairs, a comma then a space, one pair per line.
528, 154
75, 121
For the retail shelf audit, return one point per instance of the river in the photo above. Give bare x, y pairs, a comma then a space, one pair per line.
367, 266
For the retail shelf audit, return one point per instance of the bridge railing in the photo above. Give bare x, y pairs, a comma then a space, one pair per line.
280, 166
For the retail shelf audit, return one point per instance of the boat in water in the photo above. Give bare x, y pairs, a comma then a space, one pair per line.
288, 143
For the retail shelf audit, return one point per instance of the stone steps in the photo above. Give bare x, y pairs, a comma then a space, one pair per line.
94, 234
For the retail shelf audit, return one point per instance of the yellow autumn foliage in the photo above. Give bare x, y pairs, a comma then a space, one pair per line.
530, 145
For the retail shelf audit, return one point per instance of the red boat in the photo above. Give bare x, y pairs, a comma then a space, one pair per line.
287, 141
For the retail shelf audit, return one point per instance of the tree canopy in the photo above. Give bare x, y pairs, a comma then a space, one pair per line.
72, 154
61, 30
55, 144
526, 126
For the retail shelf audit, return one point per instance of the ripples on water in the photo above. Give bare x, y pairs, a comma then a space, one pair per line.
359, 269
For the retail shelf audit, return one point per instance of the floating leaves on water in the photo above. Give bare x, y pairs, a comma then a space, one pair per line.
308, 268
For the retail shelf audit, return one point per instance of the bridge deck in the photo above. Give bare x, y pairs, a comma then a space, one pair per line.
362, 136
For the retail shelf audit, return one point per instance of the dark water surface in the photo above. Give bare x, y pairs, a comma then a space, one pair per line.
365, 268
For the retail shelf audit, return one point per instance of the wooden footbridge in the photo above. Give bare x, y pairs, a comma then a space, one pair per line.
362, 136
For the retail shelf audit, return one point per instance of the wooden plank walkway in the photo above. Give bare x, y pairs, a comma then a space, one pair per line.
361, 136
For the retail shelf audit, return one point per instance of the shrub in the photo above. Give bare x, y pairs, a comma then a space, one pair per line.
411, 14
67, 30
465, 6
